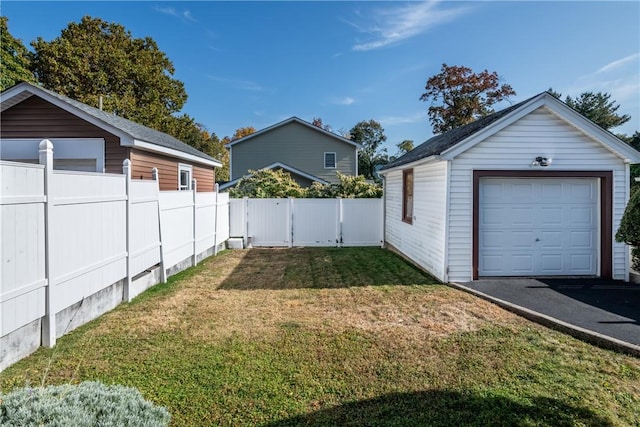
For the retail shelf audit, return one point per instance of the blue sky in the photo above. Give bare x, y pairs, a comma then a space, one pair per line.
257, 63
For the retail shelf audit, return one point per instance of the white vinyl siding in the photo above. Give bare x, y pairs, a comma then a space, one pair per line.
424, 240
514, 148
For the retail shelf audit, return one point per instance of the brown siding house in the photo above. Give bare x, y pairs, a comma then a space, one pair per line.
30, 114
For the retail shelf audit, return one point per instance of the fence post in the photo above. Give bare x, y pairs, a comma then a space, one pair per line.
290, 220
126, 170
246, 222
48, 326
163, 271
194, 187
340, 220
215, 222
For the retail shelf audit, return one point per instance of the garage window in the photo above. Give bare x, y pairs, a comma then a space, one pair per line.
184, 177
407, 196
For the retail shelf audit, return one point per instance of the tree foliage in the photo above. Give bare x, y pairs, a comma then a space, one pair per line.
370, 135
597, 107
405, 146
629, 230
317, 121
348, 187
459, 96
14, 58
267, 183
242, 132
94, 58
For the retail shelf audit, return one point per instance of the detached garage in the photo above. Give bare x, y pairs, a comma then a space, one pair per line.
533, 190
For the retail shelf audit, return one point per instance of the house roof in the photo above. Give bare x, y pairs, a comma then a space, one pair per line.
462, 136
292, 120
131, 133
275, 165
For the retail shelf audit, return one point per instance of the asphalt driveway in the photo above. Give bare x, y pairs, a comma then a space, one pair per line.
601, 311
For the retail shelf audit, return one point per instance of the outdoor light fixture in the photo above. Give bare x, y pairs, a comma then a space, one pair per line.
541, 161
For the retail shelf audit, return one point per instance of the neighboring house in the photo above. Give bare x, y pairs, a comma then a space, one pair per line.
533, 190
88, 139
309, 153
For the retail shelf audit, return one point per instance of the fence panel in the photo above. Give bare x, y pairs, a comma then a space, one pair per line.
362, 222
205, 221
269, 222
88, 229
176, 219
144, 225
22, 289
316, 222
237, 217
222, 218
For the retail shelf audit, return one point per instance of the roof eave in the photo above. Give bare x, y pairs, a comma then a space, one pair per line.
409, 165
148, 146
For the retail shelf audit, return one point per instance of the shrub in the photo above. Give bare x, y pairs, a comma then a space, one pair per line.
87, 404
266, 183
629, 231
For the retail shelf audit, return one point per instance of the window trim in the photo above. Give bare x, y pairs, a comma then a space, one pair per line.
335, 160
183, 167
407, 214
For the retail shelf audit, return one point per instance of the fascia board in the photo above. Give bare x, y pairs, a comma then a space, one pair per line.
147, 146
413, 164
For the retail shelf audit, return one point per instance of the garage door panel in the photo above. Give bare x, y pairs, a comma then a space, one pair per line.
538, 226
550, 240
552, 192
521, 215
582, 240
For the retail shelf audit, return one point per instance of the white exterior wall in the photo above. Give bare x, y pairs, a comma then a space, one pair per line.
424, 240
540, 133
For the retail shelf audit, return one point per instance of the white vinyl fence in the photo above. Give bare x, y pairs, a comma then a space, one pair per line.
307, 222
75, 244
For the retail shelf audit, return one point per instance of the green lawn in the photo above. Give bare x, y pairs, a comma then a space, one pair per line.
351, 336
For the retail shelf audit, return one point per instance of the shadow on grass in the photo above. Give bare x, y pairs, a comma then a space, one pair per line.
448, 408
322, 268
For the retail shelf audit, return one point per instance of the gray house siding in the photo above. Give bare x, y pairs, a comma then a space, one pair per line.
295, 145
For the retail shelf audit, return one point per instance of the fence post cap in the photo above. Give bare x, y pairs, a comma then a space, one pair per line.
45, 144
126, 162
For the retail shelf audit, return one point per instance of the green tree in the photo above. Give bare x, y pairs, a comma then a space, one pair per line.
370, 135
597, 107
459, 96
93, 59
14, 59
405, 146
629, 230
267, 183
348, 187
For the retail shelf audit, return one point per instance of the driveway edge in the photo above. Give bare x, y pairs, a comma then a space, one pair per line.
583, 334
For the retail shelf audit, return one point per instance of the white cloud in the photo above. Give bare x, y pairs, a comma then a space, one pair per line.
403, 120
392, 25
238, 84
619, 63
346, 101
185, 15
619, 78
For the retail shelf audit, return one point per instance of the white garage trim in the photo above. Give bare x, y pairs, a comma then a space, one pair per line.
600, 259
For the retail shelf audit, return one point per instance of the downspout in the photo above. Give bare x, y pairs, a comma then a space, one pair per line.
384, 210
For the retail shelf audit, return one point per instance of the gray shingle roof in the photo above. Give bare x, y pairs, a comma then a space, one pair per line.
133, 129
440, 143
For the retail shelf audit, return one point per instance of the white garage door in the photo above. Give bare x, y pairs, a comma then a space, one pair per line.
538, 226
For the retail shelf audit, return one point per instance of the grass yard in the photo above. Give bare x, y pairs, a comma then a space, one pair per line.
351, 336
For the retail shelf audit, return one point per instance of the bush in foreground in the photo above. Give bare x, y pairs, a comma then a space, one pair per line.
86, 404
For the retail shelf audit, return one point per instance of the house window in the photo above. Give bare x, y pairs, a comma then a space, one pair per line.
407, 196
184, 177
329, 160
